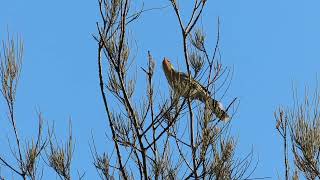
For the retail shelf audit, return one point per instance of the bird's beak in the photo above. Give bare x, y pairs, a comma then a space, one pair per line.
167, 63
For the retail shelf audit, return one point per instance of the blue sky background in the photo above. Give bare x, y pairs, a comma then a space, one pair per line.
271, 45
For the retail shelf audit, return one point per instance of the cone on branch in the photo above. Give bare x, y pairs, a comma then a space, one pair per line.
185, 87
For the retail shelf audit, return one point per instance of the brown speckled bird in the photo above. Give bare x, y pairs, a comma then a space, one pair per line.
181, 86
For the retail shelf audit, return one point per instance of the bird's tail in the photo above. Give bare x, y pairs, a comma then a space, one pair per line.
218, 110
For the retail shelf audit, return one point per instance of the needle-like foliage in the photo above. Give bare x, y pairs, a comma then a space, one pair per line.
168, 138
302, 124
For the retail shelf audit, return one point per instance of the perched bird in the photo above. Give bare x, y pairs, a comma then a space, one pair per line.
181, 86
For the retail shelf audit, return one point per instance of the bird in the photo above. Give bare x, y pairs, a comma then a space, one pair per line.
186, 87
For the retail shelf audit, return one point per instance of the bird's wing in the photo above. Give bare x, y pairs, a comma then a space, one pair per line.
196, 90
199, 92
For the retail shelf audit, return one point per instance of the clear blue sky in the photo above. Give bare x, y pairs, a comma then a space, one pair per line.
271, 45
